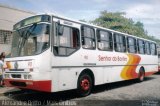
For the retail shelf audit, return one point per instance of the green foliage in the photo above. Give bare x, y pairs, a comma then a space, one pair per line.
117, 21
83, 20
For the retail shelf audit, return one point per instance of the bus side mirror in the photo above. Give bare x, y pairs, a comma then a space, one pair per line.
60, 29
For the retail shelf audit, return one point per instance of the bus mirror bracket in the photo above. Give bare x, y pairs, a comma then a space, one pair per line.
60, 29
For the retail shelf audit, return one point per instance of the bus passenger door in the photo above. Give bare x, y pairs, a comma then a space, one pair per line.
66, 43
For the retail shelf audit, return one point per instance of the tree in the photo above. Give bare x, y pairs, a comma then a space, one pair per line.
117, 21
83, 20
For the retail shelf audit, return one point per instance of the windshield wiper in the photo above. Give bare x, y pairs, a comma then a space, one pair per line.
29, 31
26, 36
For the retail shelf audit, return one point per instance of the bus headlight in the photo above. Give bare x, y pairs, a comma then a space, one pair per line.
26, 76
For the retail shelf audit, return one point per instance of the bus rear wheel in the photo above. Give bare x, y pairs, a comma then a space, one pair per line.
141, 76
85, 85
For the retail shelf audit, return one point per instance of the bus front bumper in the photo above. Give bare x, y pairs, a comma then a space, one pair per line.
44, 85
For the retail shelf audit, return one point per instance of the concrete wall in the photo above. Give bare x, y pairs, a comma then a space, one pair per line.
8, 17
5, 48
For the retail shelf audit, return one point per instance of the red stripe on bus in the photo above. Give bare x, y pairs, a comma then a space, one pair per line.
150, 73
44, 85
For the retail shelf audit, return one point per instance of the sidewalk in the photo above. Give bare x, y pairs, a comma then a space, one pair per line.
4, 90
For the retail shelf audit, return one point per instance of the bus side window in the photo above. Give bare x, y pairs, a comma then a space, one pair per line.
147, 48
153, 49
141, 46
88, 37
67, 43
75, 39
104, 39
131, 44
119, 43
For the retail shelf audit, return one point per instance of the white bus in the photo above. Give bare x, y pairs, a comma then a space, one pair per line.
52, 53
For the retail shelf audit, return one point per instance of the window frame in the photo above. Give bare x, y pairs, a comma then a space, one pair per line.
110, 41
155, 48
129, 45
121, 43
141, 46
93, 39
58, 45
6, 37
148, 48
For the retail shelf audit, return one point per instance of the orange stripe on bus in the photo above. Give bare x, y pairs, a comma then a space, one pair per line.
129, 71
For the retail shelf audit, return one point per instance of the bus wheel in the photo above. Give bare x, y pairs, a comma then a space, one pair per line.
141, 75
84, 85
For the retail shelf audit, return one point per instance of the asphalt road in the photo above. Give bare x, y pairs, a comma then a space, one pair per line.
124, 93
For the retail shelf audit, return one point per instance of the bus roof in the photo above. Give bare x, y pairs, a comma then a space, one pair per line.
84, 23
94, 26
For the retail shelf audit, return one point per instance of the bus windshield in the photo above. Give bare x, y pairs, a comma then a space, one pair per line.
30, 40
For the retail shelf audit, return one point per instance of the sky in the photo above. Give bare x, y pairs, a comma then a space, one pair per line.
145, 11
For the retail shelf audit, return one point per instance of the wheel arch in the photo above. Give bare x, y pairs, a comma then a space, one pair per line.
141, 74
89, 72
142, 69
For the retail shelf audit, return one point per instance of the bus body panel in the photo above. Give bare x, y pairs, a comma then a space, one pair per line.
106, 66
51, 73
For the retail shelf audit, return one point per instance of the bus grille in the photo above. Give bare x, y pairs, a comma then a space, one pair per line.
16, 75
21, 84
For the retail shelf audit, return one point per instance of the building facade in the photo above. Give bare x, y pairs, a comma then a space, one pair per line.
9, 16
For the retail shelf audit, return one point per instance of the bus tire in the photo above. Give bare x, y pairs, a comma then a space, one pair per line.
84, 85
141, 76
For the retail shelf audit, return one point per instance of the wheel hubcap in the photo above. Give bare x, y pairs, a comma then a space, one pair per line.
85, 84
